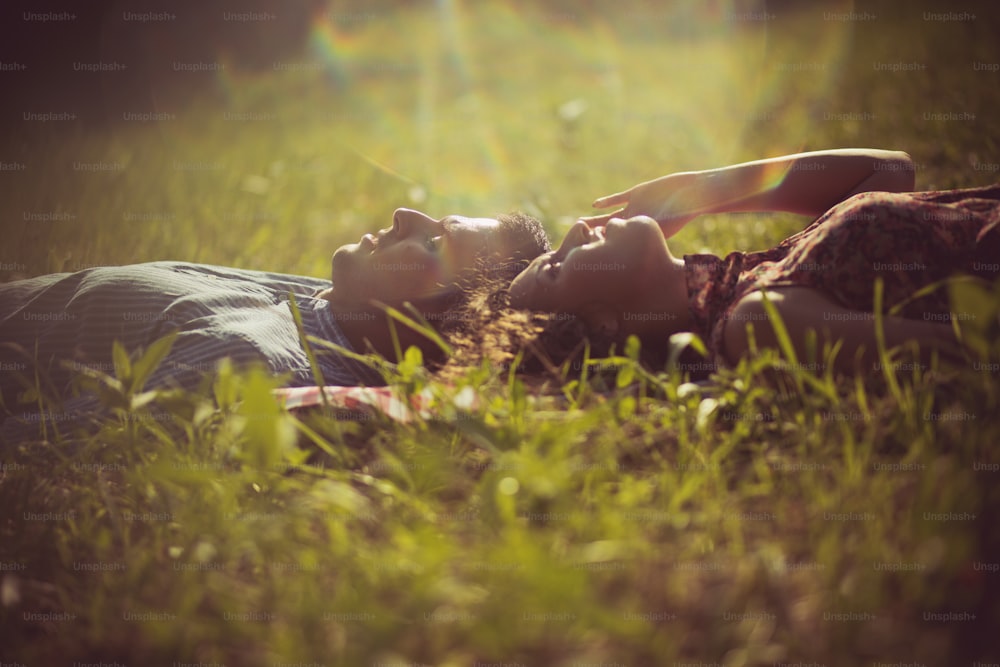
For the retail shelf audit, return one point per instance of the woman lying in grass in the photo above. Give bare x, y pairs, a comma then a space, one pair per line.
53, 326
616, 273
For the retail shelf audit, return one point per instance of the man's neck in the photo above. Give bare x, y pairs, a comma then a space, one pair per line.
368, 330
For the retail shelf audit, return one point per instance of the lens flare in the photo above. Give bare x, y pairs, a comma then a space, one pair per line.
474, 106
335, 48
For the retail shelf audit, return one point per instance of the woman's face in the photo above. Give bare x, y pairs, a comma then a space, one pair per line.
415, 258
596, 272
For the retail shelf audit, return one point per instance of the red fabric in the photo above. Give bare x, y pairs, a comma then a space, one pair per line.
356, 399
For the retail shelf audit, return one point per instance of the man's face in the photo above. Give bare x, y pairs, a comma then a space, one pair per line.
416, 258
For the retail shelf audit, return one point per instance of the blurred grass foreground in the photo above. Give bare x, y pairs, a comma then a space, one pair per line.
814, 523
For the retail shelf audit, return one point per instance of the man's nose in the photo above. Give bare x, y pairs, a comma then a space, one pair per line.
405, 221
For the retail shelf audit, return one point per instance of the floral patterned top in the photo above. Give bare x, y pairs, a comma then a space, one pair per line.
910, 240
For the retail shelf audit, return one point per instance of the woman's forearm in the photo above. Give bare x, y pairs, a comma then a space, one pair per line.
804, 309
804, 183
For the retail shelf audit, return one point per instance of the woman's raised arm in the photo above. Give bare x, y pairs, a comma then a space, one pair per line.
804, 183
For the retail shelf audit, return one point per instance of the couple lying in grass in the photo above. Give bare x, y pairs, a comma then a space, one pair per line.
493, 287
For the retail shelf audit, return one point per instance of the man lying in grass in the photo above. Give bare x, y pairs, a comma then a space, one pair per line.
617, 276
53, 325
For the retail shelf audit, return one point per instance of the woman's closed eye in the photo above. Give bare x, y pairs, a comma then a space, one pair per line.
433, 243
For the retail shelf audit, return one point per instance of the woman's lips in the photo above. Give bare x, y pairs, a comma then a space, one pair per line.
368, 242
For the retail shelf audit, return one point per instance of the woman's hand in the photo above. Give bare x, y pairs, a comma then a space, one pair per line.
672, 200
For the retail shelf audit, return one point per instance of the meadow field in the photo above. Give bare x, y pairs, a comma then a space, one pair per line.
640, 519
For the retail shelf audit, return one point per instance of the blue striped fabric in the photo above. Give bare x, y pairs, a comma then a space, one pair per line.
220, 312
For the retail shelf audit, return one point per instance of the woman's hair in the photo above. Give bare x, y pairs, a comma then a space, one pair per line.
461, 312
479, 324
484, 327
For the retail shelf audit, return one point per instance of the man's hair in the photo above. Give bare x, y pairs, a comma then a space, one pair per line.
452, 310
526, 236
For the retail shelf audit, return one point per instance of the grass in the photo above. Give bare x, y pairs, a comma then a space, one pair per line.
775, 516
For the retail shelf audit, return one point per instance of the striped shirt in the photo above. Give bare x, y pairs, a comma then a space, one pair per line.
218, 312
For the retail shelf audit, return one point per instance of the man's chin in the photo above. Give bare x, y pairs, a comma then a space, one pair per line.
343, 264
348, 250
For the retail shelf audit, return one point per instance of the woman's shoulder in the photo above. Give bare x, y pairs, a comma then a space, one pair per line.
955, 196
867, 207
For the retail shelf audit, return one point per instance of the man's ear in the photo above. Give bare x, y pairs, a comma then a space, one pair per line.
439, 302
603, 320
